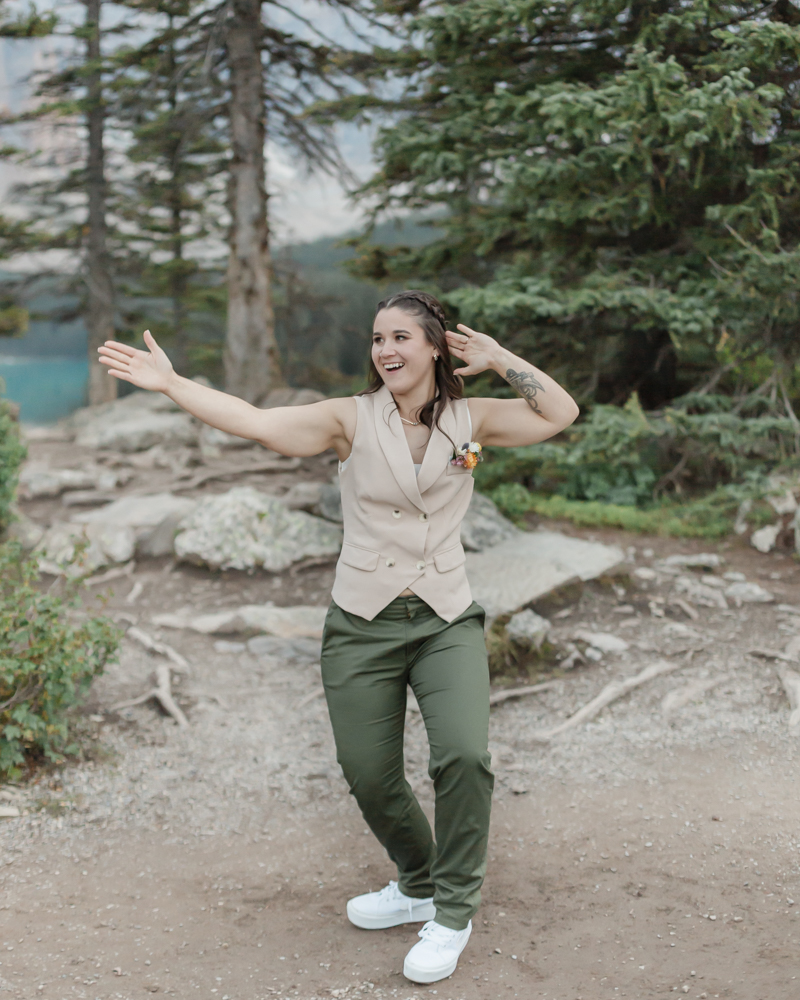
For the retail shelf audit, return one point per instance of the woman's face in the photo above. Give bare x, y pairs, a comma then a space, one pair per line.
400, 350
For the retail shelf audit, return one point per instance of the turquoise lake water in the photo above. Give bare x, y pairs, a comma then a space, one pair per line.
45, 388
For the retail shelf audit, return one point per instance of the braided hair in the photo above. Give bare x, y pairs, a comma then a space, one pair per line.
429, 313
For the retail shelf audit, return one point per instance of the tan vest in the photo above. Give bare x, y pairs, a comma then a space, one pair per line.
402, 530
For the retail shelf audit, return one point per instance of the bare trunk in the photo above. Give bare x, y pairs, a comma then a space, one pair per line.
100, 304
252, 366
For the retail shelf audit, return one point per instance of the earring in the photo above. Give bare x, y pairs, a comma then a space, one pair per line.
436, 357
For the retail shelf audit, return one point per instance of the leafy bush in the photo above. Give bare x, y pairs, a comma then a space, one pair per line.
711, 516
622, 456
47, 663
12, 453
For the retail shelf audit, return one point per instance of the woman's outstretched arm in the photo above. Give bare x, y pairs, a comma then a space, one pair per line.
544, 410
290, 430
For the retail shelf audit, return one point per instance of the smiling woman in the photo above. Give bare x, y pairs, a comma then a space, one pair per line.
402, 612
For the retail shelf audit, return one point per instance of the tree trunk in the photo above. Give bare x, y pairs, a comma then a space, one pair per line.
252, 365
100, 298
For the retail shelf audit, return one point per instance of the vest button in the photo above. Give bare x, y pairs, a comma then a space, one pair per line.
422, 517
395, 513
420, 565
390, 561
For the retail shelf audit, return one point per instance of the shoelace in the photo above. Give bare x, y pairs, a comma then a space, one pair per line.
391, 894
437, 934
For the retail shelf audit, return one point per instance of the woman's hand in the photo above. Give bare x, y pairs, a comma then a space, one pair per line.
478, 350
149, 369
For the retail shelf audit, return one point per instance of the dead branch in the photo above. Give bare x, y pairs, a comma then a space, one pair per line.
153, 646
791, 685
521, 692
610, 693
272, 465
772, 654
162, 692
22, 694
311, 696
111, 574
680, 696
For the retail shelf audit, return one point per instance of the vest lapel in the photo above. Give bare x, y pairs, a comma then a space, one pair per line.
392, 439
439, 451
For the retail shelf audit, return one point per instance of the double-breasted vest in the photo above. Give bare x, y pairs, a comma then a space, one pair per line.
403, 530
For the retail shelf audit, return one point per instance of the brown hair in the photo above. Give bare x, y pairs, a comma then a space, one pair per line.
430, 314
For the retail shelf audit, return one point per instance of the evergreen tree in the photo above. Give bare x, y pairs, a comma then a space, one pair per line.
616, 183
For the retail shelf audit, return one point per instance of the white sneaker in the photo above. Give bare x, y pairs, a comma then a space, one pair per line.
436, 955
388, 908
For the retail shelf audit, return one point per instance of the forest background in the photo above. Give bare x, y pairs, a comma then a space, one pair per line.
609, 188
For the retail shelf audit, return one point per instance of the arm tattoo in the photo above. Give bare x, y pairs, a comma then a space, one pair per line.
526, 385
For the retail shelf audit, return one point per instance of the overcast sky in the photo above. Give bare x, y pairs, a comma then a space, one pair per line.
302, 207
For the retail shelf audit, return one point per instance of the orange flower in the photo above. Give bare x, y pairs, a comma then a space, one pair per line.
470, 460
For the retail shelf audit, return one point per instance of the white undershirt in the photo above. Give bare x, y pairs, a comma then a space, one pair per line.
417, 465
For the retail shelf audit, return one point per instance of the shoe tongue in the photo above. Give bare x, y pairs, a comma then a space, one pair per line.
436, 932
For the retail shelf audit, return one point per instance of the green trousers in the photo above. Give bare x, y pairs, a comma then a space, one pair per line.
366, 667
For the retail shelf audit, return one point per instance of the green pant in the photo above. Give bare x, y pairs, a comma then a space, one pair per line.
366, 667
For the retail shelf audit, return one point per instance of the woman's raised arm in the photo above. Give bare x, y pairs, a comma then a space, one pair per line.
290, 430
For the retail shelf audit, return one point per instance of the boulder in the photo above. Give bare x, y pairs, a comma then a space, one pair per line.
748, 593
322, 499
287, 396
528, 629
38, 480
484, 526
79, 550
508, 576
137, 431
765, 538
153, 517
701, 593
302, 621
243, 529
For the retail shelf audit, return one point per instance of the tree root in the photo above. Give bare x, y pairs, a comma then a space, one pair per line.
162, 692
791, 685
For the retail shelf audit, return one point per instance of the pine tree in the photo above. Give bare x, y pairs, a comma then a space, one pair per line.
616, 184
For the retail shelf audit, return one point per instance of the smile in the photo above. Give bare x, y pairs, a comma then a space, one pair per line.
393, 366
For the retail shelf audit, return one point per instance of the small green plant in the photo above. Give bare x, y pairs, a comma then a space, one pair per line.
12, 454
47, 662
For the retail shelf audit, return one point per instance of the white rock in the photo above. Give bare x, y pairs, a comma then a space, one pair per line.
8, 812
701, 593
713, 581
39, 480
24, 530
484, 526
102, 544
645, 573
243, 528
301, 621
785, 504
303, 496
521, 569
528, 629
604, 641
225, 646
740, 525
680, 630
748, 593
765, 538
146, 511
732, 576
704, 560
137, 431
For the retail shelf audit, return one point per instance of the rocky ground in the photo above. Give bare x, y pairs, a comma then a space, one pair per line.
651, 850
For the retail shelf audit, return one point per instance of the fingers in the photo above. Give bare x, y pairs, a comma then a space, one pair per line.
115, 345
107, 352
467, 331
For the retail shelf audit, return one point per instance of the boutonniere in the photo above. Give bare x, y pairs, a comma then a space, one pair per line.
468, 454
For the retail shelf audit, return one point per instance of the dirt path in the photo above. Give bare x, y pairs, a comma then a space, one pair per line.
644, 854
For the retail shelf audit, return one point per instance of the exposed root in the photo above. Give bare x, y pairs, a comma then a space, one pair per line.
153, 646
162, 692
791, 685
521, 692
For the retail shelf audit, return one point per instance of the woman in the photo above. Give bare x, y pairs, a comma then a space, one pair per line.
402, 612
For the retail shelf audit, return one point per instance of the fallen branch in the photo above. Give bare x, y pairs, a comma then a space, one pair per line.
162, 692
273, 465
772, 654
153, 646
610, 693
681, 696
791, 685
686, 607
110, 574
521, 692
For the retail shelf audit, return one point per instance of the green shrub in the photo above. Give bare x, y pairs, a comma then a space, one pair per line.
12, 453
47, 662
711, 516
